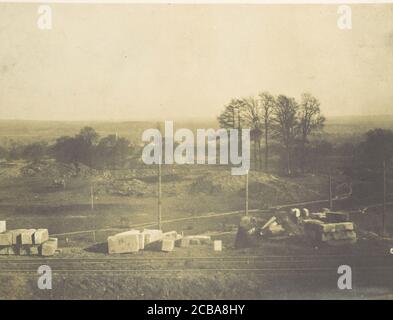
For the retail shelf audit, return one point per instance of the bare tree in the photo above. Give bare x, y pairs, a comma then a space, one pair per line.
253, 117
310, 120
232, 117
267, 104
285, 126
227, 118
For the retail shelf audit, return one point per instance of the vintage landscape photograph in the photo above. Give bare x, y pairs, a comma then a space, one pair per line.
298, 95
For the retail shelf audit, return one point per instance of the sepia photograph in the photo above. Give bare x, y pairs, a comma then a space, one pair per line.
196, 151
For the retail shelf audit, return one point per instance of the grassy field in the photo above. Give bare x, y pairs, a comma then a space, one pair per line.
187, 191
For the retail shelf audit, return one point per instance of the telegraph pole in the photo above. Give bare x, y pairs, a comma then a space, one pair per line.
159, 194
247, 193
384, 197
330, 192
91, 196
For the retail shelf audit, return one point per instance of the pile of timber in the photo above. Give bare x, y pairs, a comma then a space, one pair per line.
26, 242
152, 239
336, 230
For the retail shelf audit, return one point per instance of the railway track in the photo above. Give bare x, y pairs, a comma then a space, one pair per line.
252, 263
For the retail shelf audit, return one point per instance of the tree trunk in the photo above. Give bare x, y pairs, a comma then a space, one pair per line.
259, 154
289, 162
255, 155
303, 157
266, 147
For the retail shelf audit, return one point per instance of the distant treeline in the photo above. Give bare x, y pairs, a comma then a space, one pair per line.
85, 147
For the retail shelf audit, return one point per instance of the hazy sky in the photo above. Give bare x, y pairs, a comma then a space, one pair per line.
135, 62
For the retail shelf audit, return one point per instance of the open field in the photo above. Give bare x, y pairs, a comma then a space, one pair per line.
196, 200
187, 191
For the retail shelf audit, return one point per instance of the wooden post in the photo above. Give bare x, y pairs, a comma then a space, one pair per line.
159, 195
92, 197
247, 193
384, 197
330, 193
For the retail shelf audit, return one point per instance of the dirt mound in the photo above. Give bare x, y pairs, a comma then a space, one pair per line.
56, 170
10, 169
104, 180
132, 187
261, 186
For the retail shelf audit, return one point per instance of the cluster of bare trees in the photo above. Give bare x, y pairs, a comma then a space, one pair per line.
278, 118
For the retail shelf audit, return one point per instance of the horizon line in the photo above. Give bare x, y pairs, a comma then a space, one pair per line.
196, 119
